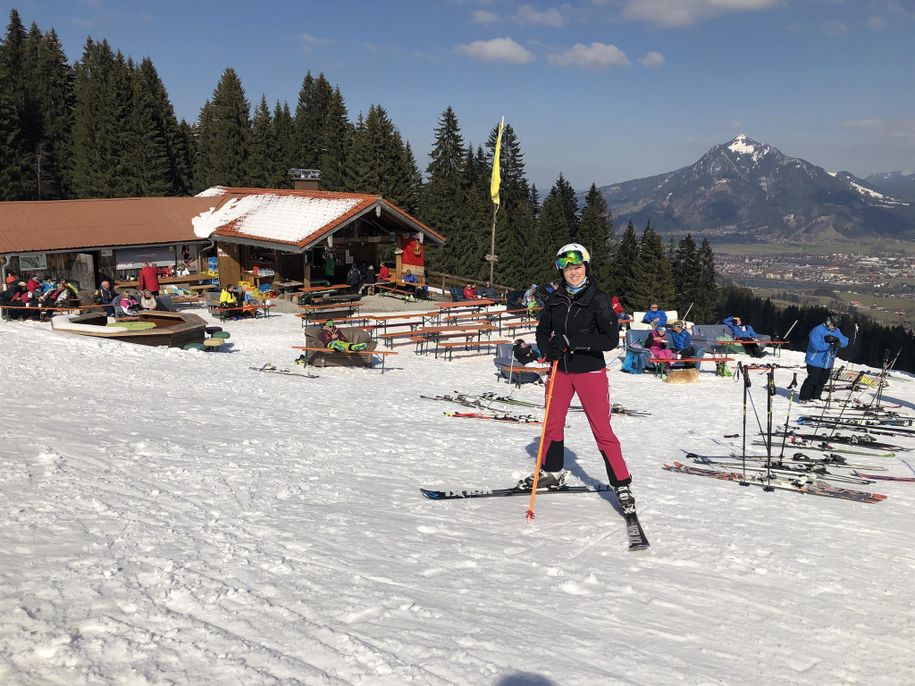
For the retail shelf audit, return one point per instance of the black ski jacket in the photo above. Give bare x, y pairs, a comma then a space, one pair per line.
587, 320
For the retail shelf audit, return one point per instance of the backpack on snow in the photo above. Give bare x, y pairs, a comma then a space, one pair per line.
634, 363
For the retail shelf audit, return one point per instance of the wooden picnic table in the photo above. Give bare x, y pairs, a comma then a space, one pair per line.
423, 336
480, 302
402, 320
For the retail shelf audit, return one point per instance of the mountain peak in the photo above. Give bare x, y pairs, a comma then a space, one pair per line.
744, 145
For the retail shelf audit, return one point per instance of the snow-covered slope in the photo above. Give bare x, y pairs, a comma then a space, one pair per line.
175, 517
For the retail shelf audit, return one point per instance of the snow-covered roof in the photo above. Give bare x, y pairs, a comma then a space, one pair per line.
291, 217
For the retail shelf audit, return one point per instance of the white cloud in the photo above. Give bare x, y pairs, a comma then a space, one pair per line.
594, 56
892, 128
496, 50
686, 12
485, 17
877, 23
309, 42
833, 27
527, 14
652, 59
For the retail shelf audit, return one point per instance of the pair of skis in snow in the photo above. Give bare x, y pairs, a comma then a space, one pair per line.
636, 535
801, 484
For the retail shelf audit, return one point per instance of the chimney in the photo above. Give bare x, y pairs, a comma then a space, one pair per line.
305, 179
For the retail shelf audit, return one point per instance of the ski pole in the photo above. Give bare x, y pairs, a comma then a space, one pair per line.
791, 387
746, 391
770, 393
790, 329
546, 414
687, 311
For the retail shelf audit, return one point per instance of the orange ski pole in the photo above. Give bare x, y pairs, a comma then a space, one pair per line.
546, 413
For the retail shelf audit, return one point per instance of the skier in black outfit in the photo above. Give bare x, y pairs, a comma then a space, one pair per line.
576, 326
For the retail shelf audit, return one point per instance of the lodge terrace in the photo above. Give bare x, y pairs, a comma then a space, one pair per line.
275, 236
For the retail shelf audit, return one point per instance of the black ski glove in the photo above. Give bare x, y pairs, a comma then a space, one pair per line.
559, 346
830, 339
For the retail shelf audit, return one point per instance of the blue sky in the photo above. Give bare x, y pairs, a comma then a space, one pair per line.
600, 90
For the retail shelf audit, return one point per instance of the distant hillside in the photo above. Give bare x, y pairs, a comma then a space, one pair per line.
745, 190
900, 184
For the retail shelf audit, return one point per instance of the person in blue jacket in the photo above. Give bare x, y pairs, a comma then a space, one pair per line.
655, 314
681, 342
823, 343
744, 332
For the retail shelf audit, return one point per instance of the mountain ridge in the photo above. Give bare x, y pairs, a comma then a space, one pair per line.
746, 190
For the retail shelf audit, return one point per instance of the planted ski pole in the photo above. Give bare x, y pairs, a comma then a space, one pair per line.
746, 392
546, 414
687, 311
791, 387
770, 393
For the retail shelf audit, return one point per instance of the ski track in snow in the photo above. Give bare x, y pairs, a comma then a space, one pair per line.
173, 517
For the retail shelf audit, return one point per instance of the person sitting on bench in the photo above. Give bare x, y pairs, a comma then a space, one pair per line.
655, 314
524, 352
333, 338
744, 332
658, 345
681, 343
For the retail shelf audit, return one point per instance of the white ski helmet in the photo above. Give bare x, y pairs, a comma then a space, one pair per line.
575, 253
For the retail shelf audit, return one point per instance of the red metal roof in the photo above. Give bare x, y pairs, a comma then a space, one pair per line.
42, 225
36, 226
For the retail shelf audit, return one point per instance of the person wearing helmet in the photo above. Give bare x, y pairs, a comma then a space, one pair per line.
823, 343
576, 326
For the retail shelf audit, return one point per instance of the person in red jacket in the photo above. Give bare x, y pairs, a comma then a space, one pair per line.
383, 272
470, 292
149, 278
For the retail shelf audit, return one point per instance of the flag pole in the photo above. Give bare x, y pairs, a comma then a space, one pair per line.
494, 185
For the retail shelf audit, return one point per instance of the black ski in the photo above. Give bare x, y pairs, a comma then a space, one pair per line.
637, 538
464, 493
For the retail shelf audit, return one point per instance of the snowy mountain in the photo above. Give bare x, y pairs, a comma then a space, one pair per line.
176, 517
898, 183
745, 189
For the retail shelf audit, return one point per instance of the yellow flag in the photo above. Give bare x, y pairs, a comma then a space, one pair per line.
496, 170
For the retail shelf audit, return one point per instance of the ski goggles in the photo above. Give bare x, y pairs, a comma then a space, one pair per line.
572, 257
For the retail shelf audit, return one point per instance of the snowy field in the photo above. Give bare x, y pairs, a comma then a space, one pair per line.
173, 517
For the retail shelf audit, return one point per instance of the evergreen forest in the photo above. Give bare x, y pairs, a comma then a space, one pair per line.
104, 127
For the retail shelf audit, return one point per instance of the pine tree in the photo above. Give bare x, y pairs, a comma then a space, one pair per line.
51, 79
263, 152
706, 288
685, 266
283, 134
336, 139
14, 178
566, 196
149, 169
595, 232
653, 276
515, 220
222, 135
99, 141
441, 204
315, 97
553, 231
623, 267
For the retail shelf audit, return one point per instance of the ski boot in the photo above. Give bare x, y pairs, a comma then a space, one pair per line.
625, 498
550, 480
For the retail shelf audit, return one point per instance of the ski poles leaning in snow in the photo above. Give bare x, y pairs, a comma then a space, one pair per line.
770, 393
791, 388
546, 414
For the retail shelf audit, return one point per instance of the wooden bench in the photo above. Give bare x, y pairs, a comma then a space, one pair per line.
223, 313
436, 333
450, 347
660, 363
519, 369
381, 353
395, 292
315, 312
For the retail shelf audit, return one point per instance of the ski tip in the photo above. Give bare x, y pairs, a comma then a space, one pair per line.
432, 494
639, 546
